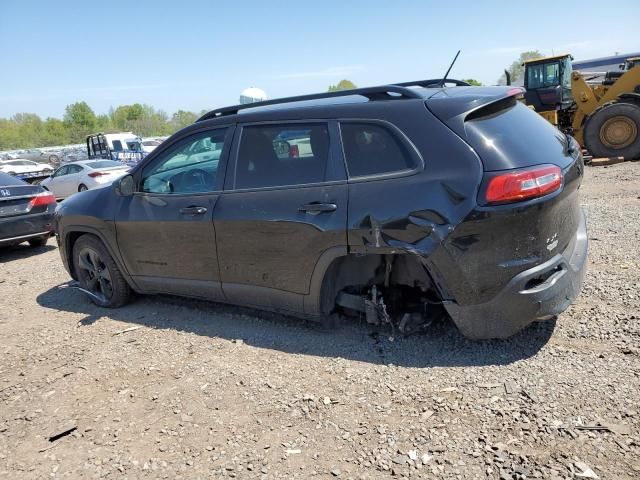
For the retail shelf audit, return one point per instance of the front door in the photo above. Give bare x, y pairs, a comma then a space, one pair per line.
284, 206
165, 230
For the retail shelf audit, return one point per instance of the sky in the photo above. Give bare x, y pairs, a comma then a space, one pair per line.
196, 55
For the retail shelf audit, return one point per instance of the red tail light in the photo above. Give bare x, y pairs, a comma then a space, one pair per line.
42, 199
98, 174
294, 151
518, 185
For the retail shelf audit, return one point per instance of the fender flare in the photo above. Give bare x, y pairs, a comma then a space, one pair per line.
634, 97
312, 302
84, 229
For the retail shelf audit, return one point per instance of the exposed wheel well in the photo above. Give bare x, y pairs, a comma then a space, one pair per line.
401, 281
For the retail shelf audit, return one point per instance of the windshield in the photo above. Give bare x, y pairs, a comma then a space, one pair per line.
543, 75
134, 145
567, 69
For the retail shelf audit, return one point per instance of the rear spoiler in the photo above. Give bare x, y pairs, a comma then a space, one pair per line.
453, 105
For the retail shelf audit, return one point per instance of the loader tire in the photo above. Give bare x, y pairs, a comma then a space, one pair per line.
614, 131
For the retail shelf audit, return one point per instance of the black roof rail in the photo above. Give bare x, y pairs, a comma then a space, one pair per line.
372, 93
434, 82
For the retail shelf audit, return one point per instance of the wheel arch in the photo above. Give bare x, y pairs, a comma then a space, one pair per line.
72, 235
337, 269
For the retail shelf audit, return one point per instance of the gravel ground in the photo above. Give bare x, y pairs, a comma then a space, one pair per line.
169, 388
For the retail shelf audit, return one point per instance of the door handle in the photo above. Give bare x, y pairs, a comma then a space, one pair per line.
193, 210
316, 208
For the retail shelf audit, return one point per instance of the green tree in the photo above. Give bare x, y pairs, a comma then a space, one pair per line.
54, 133
473, 81
182, 119
516, 69
79, 121
342, 85
103, 123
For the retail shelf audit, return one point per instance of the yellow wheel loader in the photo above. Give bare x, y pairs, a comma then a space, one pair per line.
601, 110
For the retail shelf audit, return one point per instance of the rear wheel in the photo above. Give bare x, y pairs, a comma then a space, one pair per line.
39, 241
82, 188
614, 131
98, 273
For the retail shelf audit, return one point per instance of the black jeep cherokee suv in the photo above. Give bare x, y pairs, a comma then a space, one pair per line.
392, 203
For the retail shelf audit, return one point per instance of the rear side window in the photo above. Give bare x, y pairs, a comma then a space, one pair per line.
281, 155
373, 149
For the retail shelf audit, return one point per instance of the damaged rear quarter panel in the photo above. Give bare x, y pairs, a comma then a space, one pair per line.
415, 213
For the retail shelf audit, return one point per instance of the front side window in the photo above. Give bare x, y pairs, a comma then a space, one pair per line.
61, 171
117, 145
281, 155
190, 166
373, 149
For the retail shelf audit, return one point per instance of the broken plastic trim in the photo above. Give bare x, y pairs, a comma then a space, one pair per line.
91, 294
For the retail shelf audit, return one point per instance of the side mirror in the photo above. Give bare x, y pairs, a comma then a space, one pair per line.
125, 186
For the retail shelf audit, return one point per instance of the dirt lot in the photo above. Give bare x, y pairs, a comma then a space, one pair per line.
198, 390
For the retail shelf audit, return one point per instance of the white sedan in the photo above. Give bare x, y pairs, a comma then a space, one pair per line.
20, 165
76, 177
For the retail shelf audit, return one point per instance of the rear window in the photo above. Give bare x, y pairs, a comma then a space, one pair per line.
373, 149
7, 180
104, 164
508, 134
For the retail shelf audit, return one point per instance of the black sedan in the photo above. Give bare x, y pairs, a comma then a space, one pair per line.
26, 212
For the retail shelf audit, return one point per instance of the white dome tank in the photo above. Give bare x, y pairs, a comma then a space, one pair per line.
252, 95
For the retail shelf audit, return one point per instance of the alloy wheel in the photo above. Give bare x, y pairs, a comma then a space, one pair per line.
95, 274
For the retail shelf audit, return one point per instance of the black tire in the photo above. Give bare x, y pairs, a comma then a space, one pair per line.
98, 273
614, 131
39, 241
82, 188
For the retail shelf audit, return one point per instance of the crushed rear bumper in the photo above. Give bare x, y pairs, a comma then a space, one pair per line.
536, 294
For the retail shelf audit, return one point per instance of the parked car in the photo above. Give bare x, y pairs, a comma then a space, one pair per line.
150, 145
74, 177
20, 166
419, 203
26, 212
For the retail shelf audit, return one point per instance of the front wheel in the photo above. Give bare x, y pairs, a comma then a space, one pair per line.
98, 273
614, 131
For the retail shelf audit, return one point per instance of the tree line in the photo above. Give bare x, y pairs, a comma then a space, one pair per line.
27, 130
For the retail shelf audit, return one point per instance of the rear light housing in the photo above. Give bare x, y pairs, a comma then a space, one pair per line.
522, 184
41, 200
98, 174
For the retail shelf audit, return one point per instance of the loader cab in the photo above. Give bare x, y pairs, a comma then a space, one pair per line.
548, 83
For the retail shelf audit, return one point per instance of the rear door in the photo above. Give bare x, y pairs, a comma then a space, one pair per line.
165, 230
285, 203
